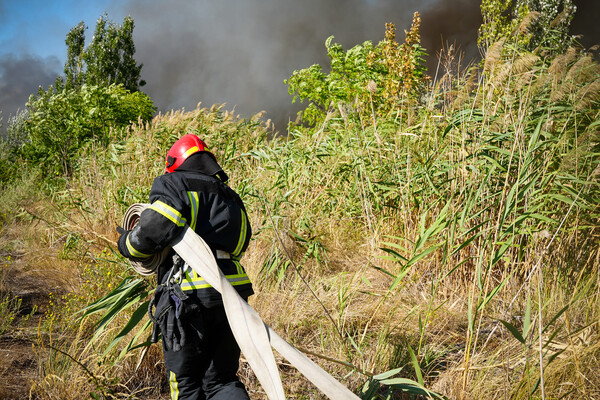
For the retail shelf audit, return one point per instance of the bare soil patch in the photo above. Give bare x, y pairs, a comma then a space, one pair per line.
18, 361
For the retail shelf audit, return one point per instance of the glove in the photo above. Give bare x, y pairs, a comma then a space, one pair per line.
122, 242
164, 317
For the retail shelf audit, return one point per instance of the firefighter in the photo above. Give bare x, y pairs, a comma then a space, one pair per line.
200, 352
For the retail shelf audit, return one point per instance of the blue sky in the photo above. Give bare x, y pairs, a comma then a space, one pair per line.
32, 44
39, 27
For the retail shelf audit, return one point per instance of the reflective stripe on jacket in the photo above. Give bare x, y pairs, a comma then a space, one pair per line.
212, 209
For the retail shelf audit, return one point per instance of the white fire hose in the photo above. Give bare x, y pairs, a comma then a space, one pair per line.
148, 265
254, 337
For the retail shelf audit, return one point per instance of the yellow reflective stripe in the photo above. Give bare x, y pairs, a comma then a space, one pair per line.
190, 274
133, 251
174, 386
194, 202
200, 283
240, 269
243, 233
190, 151
168, 212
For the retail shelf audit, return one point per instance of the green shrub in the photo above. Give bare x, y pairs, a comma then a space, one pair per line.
61, 121
363, 80
10, 146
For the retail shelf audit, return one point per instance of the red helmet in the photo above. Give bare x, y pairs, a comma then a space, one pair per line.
182, 149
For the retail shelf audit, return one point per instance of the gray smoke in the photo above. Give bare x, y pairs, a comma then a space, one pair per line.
239, 52
451, 23
585, 22
21, 76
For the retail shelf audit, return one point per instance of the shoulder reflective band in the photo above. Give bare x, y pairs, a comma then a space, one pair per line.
168, 212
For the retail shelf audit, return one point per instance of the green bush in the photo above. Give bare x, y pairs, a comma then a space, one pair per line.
61, 121
365, 80
10, 145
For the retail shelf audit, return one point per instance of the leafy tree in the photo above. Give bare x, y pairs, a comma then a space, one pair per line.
109, 58
98, 97
75, 41
497, 21
11, 144
549, 25
16, 135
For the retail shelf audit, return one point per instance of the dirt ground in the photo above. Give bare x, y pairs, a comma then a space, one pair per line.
18, 368
18, 361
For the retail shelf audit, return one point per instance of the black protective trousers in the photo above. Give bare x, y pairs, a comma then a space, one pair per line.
206, 366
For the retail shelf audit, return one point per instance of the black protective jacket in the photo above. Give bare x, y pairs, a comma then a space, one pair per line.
195, 195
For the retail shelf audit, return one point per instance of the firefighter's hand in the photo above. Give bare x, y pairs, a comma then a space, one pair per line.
122, 242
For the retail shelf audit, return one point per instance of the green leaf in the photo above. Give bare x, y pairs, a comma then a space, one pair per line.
113, 312
512, 329
493, 293
111, 297
387, 374
132, 346
136, 317
415, 363
423, 254
558, 314
411, 387
369, 390
527, 318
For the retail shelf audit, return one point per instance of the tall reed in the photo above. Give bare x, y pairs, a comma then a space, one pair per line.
451, 240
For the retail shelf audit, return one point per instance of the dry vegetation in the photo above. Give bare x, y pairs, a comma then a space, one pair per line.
455, 239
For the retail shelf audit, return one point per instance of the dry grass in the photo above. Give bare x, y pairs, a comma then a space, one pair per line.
324, 203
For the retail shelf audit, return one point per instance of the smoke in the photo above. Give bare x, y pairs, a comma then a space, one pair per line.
21, 76
451, 23
239, 52
585, 22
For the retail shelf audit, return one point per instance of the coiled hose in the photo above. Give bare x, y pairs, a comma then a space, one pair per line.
148, 265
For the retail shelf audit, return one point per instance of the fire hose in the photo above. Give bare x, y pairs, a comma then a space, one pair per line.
146, 266
254, 337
